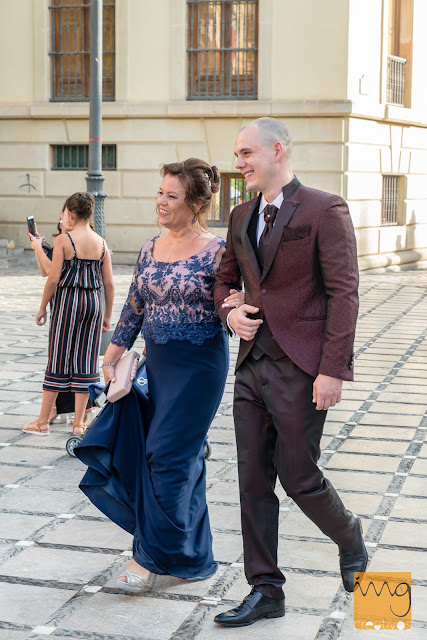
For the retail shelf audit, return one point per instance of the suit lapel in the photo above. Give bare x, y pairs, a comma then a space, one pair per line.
247, 245
283, 218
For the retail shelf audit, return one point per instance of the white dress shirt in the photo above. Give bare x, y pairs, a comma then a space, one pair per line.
261, 222
260, 228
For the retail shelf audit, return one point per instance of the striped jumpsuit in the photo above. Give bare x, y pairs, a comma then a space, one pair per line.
75, 326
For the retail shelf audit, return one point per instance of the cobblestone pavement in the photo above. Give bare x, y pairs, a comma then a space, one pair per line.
59, 556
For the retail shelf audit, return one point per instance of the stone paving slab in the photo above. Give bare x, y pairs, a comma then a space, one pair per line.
29, 605
410, 508
106, 535
128, 616
60, 565
362, 462
293, 625
11, 474
60, 557
360, 480
40, 500
19, 526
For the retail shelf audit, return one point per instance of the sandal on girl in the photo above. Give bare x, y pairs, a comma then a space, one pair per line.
79, 429
135, 583
37, 431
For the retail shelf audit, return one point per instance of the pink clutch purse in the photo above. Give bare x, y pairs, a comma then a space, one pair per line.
125, 373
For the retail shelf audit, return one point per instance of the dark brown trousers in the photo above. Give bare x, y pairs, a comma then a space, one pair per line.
278, 431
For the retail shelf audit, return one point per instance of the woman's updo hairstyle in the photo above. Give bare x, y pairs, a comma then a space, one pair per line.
81, 203
200, 182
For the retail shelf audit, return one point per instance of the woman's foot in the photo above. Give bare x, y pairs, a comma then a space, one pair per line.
136, 578
79, 429
36, 428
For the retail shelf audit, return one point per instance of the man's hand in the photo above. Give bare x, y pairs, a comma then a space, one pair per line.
326, 391
245, 327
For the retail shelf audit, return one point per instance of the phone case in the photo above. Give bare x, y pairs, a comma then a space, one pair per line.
31, 226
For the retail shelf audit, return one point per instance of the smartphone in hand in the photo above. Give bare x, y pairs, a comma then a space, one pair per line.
31, 224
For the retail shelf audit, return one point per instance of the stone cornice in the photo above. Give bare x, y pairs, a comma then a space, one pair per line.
218, 109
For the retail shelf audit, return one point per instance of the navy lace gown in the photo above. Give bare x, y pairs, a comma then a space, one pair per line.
147, 472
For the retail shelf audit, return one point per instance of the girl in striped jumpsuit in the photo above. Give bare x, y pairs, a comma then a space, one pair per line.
81, 266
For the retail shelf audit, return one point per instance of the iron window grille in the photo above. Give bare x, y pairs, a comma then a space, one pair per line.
390, 201
396, 80
70, 60
233, 192
222, 49
75, 157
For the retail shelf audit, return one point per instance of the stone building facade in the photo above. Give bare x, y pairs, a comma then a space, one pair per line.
184, 75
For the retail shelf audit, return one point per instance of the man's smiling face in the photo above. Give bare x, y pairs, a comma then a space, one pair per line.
255, 159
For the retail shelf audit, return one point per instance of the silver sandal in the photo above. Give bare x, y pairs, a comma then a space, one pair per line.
135, 583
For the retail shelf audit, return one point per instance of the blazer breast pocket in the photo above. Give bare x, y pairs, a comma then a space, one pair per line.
302, 233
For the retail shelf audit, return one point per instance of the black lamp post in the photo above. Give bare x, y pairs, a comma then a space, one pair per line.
95, 177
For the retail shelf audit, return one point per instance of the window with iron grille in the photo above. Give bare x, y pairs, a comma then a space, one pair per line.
233, 192
75, 157
399, 59
70, 60
222, 49
390, 200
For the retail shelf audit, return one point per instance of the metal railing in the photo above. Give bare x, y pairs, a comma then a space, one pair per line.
390, 200
70, 50
396, 80
222, 49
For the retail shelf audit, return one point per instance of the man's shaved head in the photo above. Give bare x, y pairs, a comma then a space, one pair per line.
272, 131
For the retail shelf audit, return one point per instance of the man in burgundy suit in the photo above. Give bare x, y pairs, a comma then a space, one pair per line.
295, 251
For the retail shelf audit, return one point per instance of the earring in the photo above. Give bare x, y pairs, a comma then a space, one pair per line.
194, 220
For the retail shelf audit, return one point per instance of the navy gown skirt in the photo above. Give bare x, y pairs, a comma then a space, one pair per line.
145, 457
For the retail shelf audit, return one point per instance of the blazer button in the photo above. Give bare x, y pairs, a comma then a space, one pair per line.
264, 291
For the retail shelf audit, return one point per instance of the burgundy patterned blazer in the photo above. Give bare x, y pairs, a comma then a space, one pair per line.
308, 287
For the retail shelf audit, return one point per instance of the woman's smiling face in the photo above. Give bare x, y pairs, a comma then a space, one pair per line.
173, 210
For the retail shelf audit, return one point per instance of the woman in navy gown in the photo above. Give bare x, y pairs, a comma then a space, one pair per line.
148, 473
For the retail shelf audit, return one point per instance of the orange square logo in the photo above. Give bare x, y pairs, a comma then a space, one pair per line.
382, 601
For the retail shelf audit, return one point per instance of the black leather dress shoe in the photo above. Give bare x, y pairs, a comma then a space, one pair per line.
354, 559
254, 607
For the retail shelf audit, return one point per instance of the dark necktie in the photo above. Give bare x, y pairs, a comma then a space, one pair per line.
270, 213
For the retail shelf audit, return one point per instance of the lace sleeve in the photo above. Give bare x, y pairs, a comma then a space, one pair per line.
132, 316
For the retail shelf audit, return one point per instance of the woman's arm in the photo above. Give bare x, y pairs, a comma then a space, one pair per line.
43, 262
128, 326
112, 356
52, 280
40, 266
107, 280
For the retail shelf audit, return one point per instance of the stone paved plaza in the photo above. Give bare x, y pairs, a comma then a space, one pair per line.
59, 556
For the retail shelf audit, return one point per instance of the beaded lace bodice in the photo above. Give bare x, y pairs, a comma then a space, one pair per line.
171, 300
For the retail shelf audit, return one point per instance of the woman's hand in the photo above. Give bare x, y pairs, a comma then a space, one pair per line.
109, 374
235, 299
36, 241
106, 324
41, 317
